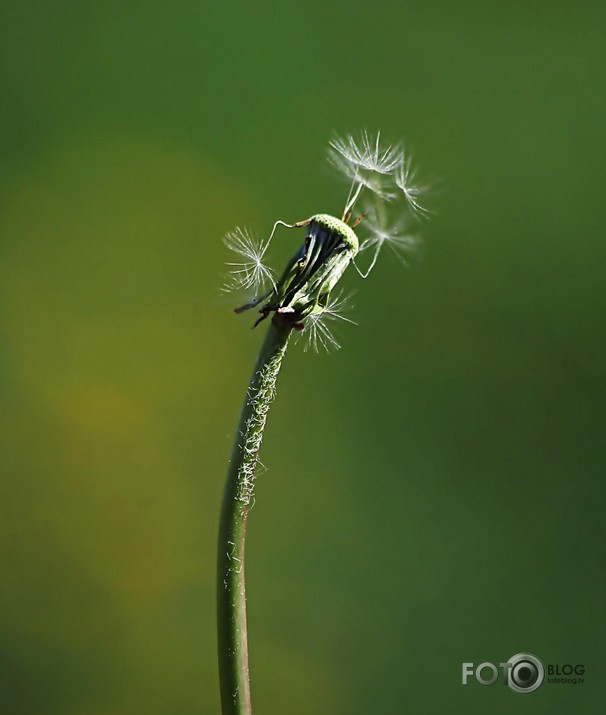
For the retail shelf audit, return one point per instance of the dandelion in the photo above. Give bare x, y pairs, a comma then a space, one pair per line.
382, 173
383, 195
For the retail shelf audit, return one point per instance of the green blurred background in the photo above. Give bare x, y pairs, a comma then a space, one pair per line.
434, 491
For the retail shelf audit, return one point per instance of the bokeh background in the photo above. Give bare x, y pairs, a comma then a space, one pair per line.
434, 491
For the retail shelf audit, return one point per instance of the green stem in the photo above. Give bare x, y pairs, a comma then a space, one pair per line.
231, 585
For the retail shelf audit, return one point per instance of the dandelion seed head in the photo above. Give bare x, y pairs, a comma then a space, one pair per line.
383, 180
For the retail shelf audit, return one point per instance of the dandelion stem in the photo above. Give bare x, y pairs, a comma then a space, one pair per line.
231, 585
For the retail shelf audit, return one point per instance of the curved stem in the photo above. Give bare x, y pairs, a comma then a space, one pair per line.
231, 585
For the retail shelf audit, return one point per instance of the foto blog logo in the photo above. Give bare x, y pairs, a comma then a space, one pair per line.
523, 673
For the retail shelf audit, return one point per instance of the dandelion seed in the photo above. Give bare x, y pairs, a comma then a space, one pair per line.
251, 274
317, 331
395, 236
405, 177
367, 164
367, 154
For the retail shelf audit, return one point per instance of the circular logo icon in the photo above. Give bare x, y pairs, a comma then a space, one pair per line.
526, 673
